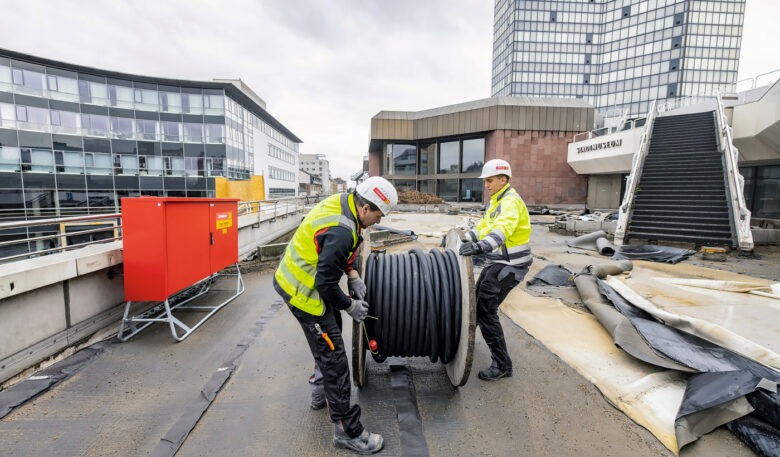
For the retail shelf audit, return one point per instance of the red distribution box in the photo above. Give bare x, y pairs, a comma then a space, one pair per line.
170, 243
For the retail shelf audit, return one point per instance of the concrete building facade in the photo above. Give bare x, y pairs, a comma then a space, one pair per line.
317, 165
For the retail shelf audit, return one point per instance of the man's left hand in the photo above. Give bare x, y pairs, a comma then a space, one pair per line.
357, 288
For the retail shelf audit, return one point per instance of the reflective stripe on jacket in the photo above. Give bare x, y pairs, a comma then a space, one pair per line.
505, 229
298, 268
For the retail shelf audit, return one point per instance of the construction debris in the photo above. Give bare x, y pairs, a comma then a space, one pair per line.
413, 196
713, 253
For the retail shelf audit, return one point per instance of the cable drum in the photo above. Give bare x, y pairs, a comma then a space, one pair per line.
421, 305
417, 301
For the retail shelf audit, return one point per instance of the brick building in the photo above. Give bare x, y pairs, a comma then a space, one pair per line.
441, 151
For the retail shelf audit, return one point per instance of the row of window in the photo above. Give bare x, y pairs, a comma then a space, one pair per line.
57, 121
450, 190
279, 153
282, 175
458, 156
92, 163
59, 87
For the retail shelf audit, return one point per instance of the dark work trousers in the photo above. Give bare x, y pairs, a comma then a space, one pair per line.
493, 285
316, 379
333, 365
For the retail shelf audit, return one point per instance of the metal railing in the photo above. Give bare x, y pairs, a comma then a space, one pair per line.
33, 238
271, 209
735, 181
764, 79
636, 170
627, 124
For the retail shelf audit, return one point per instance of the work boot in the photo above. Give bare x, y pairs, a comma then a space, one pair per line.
366, 443
317, 403
493, 373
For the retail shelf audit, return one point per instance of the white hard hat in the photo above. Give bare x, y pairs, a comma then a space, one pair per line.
496, 167
380, 192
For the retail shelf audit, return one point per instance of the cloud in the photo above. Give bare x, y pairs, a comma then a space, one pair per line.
324, 67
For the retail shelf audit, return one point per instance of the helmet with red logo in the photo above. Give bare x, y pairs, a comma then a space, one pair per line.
380, 192
496, 167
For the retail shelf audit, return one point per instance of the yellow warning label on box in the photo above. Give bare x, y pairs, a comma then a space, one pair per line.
224, 220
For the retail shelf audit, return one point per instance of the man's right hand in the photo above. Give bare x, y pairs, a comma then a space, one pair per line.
470, 248
358, 310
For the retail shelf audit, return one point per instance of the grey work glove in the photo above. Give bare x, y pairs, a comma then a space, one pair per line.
358, 310
470, 248
357, 288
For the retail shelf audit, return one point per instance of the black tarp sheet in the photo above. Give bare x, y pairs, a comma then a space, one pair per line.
597, 241
726, 388
653, 253
552, 275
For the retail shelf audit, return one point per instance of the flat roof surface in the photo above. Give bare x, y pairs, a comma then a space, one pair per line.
130, 397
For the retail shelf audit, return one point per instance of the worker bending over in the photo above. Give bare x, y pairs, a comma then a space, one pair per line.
502, 235
320, 253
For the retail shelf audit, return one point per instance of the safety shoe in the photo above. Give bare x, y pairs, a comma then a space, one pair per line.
317, 404
366, 443
493, 373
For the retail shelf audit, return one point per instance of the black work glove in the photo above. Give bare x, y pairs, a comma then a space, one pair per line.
358, 310
470, 248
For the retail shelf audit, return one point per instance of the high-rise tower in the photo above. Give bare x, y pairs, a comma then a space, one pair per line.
617, 54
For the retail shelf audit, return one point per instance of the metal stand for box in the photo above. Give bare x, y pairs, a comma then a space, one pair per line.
163, 311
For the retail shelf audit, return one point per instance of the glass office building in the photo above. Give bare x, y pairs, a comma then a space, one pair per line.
75, 140
616, 55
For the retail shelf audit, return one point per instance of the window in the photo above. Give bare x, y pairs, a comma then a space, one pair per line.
448, 158
120, 96
404, 159
194, 166
174, 166
214, 104
193, 133
97, 164
93, 92
147, 129
170, 102
171, 131
121, 127
10, 159
448, 189
146, 99
73, 162
38, 160
34, 118
473, 155
192, 103
154, 165
94, 125
28, 81
471, 190
63, 88
215, 133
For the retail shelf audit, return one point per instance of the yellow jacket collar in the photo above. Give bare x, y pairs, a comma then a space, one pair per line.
498, 195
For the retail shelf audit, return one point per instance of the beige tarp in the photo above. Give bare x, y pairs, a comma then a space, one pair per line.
648, 395
717, 306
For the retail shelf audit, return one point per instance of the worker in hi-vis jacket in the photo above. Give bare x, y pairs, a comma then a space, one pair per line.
320, 253
502, 235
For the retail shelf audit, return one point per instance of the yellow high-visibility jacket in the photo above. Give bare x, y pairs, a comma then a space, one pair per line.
298, 268
505, 229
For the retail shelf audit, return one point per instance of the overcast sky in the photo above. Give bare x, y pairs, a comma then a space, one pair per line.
324, 67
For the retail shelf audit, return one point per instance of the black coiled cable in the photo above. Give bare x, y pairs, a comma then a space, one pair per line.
416, 298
